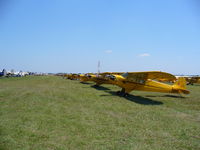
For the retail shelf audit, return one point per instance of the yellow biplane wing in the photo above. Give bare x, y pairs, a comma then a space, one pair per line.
111, 73
141, 77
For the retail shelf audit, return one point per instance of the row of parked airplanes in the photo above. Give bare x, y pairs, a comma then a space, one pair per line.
152, 81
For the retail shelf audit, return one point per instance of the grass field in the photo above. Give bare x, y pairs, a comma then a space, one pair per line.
47, 112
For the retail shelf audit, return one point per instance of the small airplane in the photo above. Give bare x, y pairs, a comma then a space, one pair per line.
71, 76
192, 80
83, 77
147, 81
97, 78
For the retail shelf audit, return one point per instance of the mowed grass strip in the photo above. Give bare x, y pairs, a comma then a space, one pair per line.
48, 112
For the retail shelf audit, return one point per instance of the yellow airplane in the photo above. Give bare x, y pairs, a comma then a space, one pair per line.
147, 81
83, 77
65, 76
101, 78
97, 78
192, 80
71, 76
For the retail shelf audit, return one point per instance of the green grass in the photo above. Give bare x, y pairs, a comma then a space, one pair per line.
49, 112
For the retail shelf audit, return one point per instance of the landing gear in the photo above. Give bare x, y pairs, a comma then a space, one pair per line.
122, 93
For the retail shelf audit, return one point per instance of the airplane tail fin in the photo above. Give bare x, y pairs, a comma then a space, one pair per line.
180, 85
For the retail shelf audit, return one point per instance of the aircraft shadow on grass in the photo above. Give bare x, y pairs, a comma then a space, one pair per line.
85, 83
196, 85
172, 96
132, 98
100, 88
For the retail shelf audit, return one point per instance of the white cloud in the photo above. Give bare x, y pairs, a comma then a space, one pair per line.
108, 51
144, 55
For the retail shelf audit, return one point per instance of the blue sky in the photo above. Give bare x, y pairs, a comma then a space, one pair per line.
73, 35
